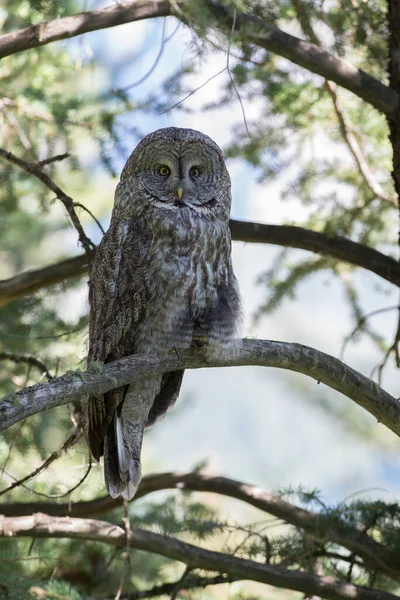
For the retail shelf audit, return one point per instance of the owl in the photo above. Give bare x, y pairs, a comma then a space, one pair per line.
162, 280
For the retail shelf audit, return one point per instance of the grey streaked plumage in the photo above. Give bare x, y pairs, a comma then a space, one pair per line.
162, 278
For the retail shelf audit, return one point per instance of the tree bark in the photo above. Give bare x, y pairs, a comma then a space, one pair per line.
394, 79
294, 357
320, 527
254, 30
42, 526
254, 233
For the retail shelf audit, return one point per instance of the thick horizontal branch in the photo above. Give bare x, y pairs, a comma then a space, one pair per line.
294, 357
67, 27
35, 279
252, 29
320, 527
242, 231
335, 246
310, 56
43, 526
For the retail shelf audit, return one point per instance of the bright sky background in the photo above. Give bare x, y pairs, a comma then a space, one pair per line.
262, 426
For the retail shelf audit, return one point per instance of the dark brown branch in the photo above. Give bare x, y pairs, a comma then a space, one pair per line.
254, 233
191, 582
318, 526
394, 79
251, 29
78, 386
35, 279
67, 27
36, 170
321, 243
28, 359
43, 526
310, 56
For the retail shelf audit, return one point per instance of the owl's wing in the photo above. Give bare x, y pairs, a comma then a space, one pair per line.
117, 298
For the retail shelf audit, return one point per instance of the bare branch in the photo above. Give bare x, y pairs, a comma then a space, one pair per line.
35, 279
36, 170
320, 527
69, 443
43, 526
356, 150
335, 246
294, 357
255, 233
252, 29
29, 359
345, 129
191, 582
393, 16
67, 27
310, 56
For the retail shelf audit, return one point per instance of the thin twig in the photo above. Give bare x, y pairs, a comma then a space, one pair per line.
344, 126
164, 40
10, 447
180, 584
193, 91
394, 348
56, 158
69, 442
36, 170
127, 562
360, 323
29, 359
230, 74
83, 207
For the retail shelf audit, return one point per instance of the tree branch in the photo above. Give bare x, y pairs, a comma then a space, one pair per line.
34, 279
43, 526
345, 128
29, 359
36, 170
166, 589
356, 150
310, 56
67, 27
320, 527
252, 29
254, 233
295, 357
393, 16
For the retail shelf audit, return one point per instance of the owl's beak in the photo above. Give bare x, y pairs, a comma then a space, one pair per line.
179, 192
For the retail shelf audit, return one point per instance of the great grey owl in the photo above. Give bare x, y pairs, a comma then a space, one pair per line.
162, 279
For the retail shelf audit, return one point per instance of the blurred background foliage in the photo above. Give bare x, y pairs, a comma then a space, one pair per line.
60, 99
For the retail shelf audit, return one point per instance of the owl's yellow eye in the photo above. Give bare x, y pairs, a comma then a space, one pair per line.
195, 172
163, 170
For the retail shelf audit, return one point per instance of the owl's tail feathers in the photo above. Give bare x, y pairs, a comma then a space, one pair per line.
122, 468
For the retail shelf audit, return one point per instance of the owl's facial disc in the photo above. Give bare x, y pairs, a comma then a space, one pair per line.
183, 178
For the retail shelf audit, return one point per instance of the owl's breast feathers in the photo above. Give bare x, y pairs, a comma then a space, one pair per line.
190, 261
155, 278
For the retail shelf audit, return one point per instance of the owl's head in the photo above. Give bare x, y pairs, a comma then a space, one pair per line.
178, 169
